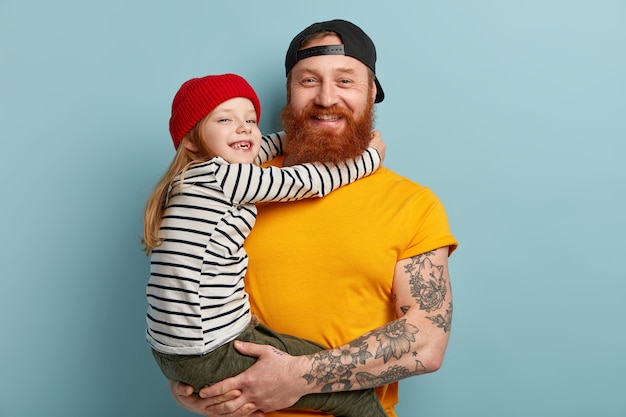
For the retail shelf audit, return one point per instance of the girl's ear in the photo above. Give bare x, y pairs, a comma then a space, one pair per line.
189, 145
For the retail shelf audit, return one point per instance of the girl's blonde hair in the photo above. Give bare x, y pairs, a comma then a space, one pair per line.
184, 158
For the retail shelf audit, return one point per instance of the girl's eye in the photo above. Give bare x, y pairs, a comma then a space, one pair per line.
253, 121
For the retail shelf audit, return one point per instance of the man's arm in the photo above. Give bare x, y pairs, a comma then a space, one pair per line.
413, 344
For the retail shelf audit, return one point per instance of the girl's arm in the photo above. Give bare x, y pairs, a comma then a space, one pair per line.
271, 146
248, 183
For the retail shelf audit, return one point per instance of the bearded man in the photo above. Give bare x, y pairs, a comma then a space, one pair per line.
363, 271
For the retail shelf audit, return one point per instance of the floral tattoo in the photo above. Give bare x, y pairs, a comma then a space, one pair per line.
428, 286
443, 321
334, 368
394, 339
393, 374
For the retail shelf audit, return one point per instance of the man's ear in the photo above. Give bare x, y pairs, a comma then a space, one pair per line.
374, 91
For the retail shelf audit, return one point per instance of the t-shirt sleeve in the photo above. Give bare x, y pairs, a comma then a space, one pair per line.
431, 229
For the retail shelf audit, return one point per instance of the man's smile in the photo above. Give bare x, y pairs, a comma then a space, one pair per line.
328, 118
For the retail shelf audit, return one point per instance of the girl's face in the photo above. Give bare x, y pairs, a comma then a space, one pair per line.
231, 131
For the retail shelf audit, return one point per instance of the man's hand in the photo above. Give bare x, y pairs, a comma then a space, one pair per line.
377, 143
212, 407
272, 383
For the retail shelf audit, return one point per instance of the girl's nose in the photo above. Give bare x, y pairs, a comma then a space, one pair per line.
245, 127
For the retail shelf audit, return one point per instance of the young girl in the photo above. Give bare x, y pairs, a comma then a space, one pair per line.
196, 222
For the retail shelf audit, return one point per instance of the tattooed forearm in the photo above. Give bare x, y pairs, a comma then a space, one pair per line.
419, 367
427, 281
392, 374
333, 369
394, 339
443, 321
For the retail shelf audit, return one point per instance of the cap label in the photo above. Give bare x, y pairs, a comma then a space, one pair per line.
320, 50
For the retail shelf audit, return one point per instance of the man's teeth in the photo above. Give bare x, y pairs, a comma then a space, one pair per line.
328, 118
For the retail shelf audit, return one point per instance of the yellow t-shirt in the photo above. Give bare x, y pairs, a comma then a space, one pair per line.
322, 268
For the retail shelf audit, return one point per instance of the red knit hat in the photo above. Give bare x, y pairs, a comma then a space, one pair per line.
199, 96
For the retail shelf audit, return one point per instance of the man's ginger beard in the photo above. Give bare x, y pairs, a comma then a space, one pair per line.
307, 143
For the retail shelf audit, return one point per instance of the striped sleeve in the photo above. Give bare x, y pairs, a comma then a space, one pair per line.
247, 183
271, 146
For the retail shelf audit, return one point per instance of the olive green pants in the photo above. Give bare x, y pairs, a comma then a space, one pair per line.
225, 361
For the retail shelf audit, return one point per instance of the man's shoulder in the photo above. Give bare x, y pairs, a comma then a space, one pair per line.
387, 176
387, 184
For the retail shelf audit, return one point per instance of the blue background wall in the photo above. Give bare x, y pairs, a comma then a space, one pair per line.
513, 112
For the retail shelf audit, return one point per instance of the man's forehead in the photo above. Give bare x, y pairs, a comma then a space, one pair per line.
327, 39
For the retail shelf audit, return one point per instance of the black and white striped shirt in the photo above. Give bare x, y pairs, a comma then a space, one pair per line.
196, 296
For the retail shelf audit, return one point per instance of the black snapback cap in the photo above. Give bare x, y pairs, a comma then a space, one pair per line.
356, 44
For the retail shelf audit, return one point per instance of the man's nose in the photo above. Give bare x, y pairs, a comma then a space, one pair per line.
327, 95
